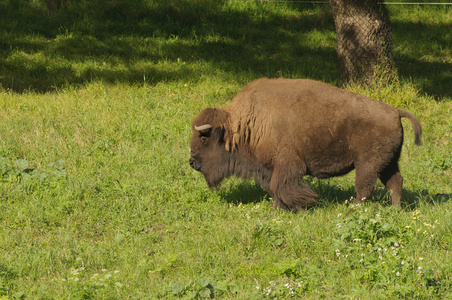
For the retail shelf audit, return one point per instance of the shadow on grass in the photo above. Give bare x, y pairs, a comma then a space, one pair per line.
432, 78
245, 192
412, 200
151, 41
424, 54
148, 41
248, 192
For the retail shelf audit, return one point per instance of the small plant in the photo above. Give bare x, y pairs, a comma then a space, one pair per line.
19, 176
88, 285
268, 234
283, 290
200, 289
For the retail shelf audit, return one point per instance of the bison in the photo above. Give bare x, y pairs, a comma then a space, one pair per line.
276, 131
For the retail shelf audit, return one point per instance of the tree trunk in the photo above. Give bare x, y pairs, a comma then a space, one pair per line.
364, 44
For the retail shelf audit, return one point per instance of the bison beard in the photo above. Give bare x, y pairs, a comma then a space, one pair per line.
276, 131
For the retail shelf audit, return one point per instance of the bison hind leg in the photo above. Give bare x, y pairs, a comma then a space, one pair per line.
393, 181
291, 193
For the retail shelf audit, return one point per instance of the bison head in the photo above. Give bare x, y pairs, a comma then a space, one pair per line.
208, 152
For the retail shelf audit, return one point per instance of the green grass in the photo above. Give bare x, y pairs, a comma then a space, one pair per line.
97, 199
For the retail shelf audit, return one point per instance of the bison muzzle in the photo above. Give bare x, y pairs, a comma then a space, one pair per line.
276, 131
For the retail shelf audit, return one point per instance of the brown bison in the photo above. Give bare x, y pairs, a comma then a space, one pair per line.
276, 131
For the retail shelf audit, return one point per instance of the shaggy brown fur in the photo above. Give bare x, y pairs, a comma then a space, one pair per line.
276, 131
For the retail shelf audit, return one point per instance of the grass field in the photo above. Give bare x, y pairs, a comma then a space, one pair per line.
97, 199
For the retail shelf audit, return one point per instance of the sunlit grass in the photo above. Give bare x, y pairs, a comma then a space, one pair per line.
131, 202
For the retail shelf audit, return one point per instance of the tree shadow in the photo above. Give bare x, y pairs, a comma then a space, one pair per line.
433, 78
151, 41
144, 41
424, 56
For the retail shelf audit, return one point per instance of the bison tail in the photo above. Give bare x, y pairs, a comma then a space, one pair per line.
416, 125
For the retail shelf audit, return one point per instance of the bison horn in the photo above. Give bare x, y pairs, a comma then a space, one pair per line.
203, 127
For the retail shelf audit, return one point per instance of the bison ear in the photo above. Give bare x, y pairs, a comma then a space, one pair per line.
218, 134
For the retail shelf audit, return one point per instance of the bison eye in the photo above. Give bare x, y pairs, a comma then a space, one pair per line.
204, 140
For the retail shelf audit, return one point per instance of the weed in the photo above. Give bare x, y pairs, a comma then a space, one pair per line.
19, 177
370, 241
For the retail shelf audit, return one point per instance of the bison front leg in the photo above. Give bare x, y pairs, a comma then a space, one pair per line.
366, 178
278, 204
289, 191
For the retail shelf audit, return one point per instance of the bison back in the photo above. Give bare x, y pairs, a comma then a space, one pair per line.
310, 123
